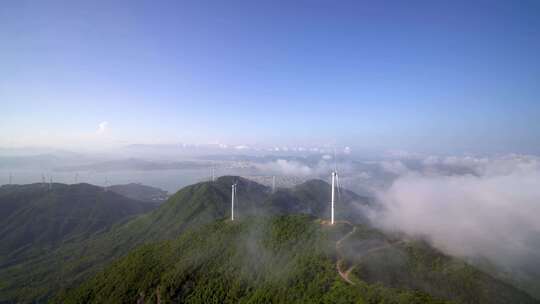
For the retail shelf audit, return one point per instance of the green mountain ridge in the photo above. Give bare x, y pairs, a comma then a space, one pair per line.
37, 219
193, 226
39, 277
286, 259
313, 198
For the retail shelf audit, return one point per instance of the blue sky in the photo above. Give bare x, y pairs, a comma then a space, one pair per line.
441, 76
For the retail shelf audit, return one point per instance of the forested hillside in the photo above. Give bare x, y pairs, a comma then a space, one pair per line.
285, 259
38, 218
280, 248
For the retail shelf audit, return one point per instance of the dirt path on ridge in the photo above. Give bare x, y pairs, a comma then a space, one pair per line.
344, 274
340, 257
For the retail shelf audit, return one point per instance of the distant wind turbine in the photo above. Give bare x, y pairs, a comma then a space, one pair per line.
106, 184
334, 174
233, 196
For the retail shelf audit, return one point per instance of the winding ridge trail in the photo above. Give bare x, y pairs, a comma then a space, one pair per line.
341, 258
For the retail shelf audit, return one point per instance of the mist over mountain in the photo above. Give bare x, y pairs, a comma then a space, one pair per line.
273, 260
368, 152
490, 213
191, 234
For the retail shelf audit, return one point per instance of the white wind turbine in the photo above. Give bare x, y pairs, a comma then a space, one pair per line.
334, 175
335, 181
233, 196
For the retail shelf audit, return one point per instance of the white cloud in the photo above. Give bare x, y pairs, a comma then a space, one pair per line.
285, 167
395, 167
484, 166
102, 127
401, 154
364, 175
494, 214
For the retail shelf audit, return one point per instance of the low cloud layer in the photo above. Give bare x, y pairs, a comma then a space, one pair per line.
286, 167
493, 213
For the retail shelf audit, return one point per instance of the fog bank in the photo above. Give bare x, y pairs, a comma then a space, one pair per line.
494, 213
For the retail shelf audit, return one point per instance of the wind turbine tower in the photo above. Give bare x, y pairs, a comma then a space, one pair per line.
10, 178
335, 182
233, 194
334, 174
213, 174
273, 184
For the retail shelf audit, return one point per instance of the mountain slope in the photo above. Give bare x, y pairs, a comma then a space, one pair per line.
284, 259
313, 197
190, 249
398, 262
39, 276
36, 219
